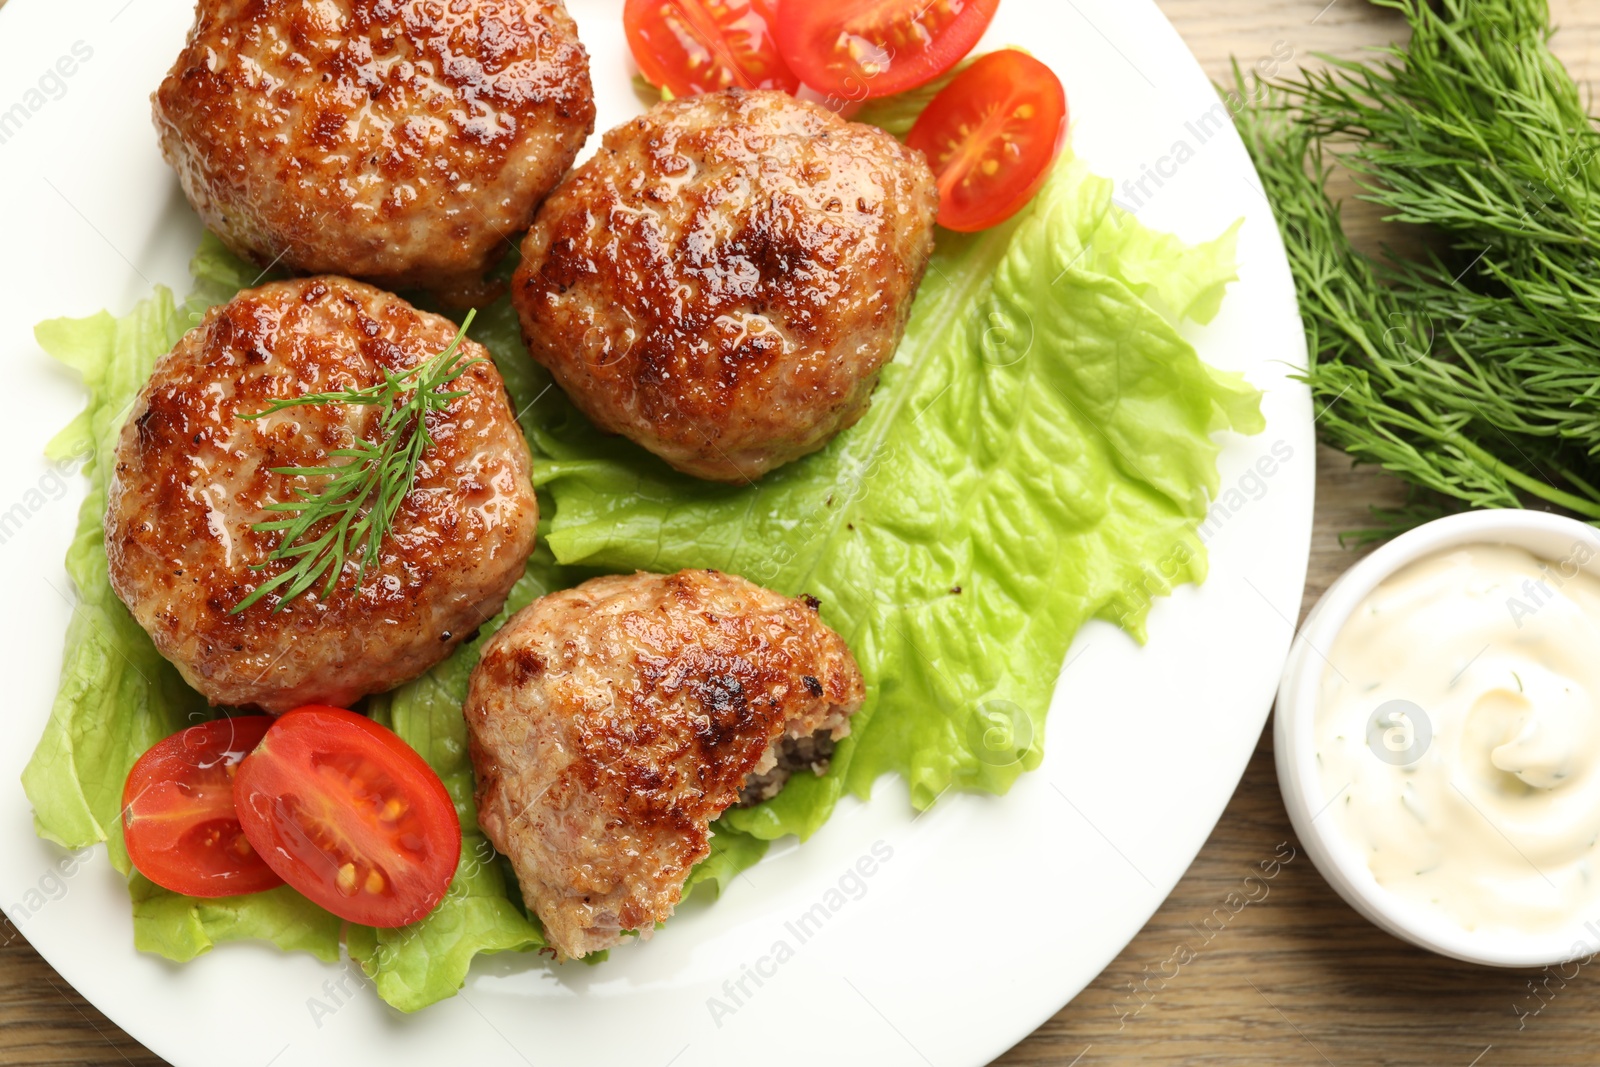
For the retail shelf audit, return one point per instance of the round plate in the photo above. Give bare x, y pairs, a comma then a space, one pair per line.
980, 918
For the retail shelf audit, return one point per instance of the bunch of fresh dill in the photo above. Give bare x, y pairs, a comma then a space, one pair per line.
1474, 373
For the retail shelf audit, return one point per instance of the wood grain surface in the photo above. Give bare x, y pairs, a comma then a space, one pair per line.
1295, 977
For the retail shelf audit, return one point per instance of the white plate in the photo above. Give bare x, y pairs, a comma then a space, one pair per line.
992, 912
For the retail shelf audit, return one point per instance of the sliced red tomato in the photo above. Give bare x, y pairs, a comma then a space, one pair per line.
177, 812
991, 136
351, 816
702, 46
861, 49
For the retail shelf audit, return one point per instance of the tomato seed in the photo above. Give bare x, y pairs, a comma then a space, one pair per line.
347, 880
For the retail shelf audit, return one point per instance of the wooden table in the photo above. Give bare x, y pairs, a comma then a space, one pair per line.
1296, 978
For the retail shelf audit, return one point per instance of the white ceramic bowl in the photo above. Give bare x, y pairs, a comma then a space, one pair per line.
1336, 856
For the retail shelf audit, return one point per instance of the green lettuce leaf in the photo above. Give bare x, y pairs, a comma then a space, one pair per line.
117, 695
181, 928
1181, 281
731, 852
1039, 453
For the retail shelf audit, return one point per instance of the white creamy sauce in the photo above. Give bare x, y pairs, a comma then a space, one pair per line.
1493, 819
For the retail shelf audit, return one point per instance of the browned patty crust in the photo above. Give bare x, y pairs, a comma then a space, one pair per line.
723, 282
611, 723
399, 141
192, 478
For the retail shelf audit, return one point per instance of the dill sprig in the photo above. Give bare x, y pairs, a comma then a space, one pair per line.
1475, 372
354, 510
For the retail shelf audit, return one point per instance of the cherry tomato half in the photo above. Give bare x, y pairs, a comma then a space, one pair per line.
702, 46
991, 136
861, 49
177, 812
351, 816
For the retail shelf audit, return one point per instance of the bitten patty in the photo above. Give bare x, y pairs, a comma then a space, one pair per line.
611, 723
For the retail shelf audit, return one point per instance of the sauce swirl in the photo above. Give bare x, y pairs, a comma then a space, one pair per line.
1458, 736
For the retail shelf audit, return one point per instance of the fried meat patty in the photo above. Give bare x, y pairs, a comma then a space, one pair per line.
398, 141
611, 723
724, 280
192, 478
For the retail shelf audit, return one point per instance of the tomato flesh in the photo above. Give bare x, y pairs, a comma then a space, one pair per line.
178, 819
351, 816
861, 49
702, 46
991, 136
